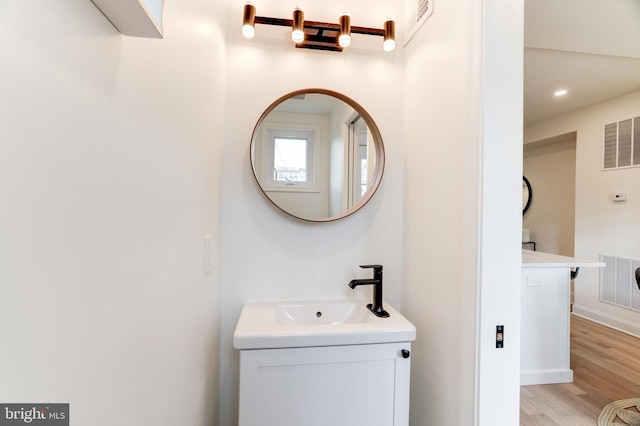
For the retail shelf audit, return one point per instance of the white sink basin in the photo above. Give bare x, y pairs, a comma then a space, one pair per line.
318, 313
287, 324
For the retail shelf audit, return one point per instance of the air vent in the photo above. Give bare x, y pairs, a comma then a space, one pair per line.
621, 144
423, 8
617, 282
416, 13
610, 145
624, 143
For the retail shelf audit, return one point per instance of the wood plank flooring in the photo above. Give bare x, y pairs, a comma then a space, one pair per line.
606, 367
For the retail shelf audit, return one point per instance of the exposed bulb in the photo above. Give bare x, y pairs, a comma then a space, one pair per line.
344, 40
248, 20
297, 36
248, 31
297, 30
389, 42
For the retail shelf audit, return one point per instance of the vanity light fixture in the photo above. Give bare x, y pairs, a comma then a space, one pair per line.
248, 21
344, 39
318, 35
297, 25
389, 42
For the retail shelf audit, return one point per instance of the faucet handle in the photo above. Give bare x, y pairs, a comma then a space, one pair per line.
377, 271
374, 267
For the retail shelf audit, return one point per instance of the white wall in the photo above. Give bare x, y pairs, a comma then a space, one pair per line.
601, 226
267, 255
109, 170
462, 95
551, 171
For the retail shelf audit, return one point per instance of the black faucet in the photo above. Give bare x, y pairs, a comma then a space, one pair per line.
376, 306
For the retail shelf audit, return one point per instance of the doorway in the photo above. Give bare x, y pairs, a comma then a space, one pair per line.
550, 167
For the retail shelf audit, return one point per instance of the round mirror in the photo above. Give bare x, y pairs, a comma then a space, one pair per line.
317, 155
526, 194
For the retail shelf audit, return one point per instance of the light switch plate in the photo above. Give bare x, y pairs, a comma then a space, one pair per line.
208, 253
618, 197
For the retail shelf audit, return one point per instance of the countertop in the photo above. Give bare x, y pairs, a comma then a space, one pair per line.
538, 259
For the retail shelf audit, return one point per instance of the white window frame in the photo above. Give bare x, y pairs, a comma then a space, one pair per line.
274, 131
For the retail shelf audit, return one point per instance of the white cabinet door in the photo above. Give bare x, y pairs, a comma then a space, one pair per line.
359, 385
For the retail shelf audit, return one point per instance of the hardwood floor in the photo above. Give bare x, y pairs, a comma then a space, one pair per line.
606, 367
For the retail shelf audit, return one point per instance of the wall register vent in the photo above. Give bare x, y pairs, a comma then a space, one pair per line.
423, 8
416, 13
617, 282
621, 144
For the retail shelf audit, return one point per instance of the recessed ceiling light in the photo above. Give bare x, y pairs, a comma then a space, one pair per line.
560, 93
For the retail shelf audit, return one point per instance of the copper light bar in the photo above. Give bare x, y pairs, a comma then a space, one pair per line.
318, 35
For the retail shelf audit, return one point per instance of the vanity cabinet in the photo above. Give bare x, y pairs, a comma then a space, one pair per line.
356, 385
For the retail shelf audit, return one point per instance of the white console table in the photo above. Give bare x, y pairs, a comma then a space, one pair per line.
545, 301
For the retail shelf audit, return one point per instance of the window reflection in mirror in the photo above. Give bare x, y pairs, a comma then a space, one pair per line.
362, 153
290, 158
317, 155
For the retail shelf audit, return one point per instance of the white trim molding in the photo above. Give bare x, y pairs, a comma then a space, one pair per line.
607, 320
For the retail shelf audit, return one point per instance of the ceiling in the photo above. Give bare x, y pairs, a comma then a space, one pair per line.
591, 48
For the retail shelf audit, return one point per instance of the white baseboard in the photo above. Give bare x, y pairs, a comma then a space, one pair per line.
543, 377
607, 320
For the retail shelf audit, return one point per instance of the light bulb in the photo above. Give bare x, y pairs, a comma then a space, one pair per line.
297, 36
344, 39
248, 31
248, 20
297, 29
389, 42
389, 45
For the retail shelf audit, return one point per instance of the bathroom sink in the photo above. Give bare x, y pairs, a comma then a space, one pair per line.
319, 313
287, 324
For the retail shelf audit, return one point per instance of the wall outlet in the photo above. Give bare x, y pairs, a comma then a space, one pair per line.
533, 281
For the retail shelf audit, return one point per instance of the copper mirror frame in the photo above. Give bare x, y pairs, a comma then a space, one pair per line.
373, 131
